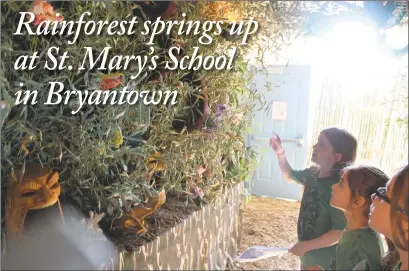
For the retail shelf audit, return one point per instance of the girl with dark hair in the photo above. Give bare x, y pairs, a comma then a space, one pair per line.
352, 195
320, 226
389, 216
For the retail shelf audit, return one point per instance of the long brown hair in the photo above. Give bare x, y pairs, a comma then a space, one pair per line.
399, 197
344, 143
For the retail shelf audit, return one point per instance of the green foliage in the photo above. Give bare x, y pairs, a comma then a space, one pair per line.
99, 166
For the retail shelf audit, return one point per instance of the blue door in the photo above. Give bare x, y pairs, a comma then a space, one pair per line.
286, 115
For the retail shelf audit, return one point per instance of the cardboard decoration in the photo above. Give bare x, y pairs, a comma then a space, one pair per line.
38, 188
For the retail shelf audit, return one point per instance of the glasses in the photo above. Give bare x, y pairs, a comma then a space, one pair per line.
381, 193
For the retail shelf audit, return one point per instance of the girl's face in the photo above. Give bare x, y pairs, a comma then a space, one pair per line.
341, 194
323, 153
379, 217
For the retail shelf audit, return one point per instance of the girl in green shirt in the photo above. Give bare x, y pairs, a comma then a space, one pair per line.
320, 225
389, 216
352, 195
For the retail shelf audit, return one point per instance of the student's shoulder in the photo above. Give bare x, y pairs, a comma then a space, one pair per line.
304, 176
360, 235
310, 172
367, 235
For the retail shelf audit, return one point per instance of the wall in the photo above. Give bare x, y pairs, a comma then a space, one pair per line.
208, 239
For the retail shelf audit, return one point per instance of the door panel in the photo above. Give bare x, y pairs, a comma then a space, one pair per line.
289, 88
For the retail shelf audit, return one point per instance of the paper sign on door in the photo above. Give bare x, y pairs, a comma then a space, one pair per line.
279, 110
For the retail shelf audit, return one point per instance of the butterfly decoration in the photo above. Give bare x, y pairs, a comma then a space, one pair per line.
110, 81
44, 11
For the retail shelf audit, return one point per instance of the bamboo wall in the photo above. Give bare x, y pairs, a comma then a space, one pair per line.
371, 118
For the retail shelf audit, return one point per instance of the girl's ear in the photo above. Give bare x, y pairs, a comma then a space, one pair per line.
359, 202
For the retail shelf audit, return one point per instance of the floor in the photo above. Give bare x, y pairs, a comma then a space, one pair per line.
270, 222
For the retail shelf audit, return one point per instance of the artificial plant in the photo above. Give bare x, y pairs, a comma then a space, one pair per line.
110, 157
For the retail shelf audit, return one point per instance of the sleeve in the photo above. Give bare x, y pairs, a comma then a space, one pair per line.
352, 258
332, 265
300, 176
363, 257
322, 257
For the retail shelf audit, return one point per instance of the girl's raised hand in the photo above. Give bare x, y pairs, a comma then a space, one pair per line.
276, 145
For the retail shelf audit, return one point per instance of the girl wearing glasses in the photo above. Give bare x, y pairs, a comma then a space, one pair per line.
352, 195
320, 225
389, 215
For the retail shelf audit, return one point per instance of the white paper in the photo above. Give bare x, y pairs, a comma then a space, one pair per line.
256, 253
279, 110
